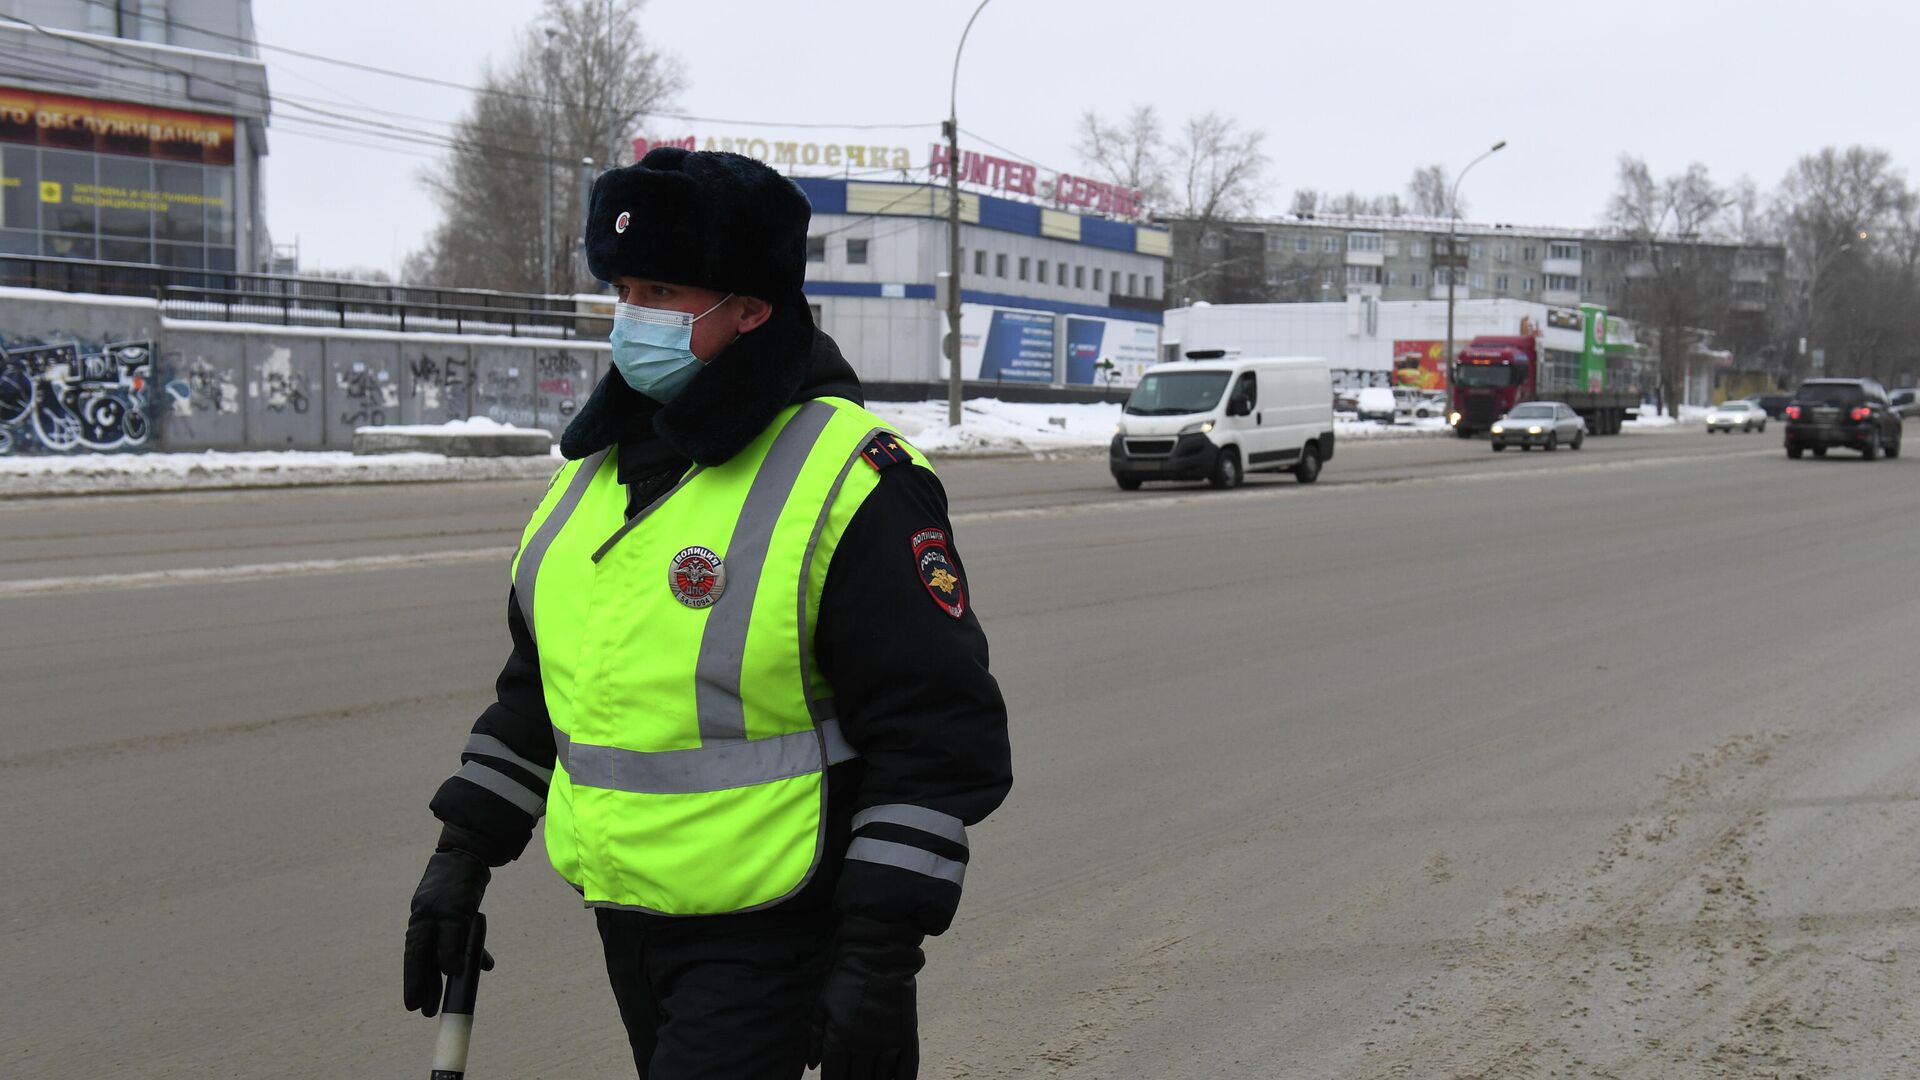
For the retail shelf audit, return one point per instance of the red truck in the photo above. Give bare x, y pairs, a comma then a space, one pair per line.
1496, 373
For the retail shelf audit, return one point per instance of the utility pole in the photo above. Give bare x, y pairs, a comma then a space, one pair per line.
546, 166
1453, 270
955, 393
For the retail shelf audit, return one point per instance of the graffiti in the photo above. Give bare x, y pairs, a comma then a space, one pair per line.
562, 377
202, 388
444, 383
286, 388
71, 397
369, 395
506, 397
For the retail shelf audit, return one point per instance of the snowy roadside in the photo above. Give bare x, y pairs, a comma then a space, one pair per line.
991, 428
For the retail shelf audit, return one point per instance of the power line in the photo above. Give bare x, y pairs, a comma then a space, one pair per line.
538, 98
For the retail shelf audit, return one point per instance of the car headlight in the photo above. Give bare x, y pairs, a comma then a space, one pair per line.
1534, 430
1499, 429
1200, 428
1453, 419
1119, 429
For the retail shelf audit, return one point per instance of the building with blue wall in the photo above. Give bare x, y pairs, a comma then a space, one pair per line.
1046, 295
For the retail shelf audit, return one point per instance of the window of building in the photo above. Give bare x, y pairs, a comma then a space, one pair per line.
1041, 275
1442, 275
1473, 250
1562, 283
1026, 267
1563, 250
1526, 285
1099, 278
1393, 278
1500, 282
1330, 243
1062, 276
1149, 293
1302, 244
1274, 240
1079, 277
980, 264
1363, 275
1392, 247
1363, 242
1479, 281
1000, 266
1326, 276
816, 249
814, 309
856, 252
1501, 251
1210, 242
1133, 284
1419, 249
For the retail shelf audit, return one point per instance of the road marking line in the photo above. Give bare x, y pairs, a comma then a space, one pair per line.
222, 575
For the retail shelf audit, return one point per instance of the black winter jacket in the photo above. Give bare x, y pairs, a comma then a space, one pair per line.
909, 671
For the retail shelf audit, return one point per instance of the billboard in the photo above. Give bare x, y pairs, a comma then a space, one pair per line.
1006, 344
57, 122
1127, 348
1421, 365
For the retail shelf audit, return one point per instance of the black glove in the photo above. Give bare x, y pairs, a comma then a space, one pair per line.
442, 919
867, 1027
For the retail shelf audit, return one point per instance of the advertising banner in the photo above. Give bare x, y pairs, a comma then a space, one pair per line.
1005, 344
113, 127
1421, 365
1128, 347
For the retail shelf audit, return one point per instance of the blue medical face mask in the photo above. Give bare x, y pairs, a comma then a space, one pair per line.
653, 348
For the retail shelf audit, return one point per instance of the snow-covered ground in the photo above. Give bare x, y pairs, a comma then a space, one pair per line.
116, 473
990, 426
472, 425
1648, 419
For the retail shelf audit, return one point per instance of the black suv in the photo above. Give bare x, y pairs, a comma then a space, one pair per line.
1853, 413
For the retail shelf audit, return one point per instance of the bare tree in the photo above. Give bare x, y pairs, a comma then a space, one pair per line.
1843, 214
1132, 153
1673, 291
1428, 193
1305, 201
1218, 168
591, 61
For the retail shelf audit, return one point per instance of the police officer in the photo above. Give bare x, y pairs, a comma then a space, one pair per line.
748, 690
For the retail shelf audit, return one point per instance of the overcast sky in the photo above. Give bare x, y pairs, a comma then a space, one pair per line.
1350, 95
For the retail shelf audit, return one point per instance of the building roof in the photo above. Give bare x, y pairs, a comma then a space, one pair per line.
894, 199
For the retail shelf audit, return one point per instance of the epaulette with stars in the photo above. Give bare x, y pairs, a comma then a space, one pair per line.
885, 450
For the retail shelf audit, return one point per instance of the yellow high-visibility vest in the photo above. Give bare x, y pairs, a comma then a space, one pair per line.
676, 655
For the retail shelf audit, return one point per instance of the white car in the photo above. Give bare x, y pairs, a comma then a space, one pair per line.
1377, 403
1546, 424
1742, 415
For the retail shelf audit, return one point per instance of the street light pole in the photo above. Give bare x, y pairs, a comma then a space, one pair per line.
1453, 248
954, 391
546, 165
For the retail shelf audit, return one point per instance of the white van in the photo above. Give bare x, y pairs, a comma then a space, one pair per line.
1216, 417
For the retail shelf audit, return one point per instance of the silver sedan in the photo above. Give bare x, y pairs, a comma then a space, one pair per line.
1546, 424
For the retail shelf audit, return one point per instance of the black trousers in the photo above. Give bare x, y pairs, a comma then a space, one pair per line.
716, 999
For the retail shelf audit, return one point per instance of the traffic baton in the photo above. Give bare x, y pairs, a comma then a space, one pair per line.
456, 1009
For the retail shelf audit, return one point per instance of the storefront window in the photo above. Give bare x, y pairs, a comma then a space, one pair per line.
185, 216
61, 205
56, 246
124, 197
126, 251
19, 187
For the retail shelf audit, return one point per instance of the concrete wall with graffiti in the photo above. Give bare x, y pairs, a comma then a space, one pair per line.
83, 375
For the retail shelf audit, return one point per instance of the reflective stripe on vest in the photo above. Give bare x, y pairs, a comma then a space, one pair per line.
692, 743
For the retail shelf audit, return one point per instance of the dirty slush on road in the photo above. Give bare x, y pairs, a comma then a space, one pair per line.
1720, 932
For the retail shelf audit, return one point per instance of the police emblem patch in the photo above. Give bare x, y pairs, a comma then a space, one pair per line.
620, 223
933, 558
697, 577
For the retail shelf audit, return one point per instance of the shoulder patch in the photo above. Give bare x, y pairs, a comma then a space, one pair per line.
933, 558
885, 450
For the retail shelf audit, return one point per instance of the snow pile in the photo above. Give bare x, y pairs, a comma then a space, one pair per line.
1348, 429
82, 474
472, 425
991, 426
1648, 419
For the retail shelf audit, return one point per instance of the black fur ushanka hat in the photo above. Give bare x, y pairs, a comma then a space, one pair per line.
704, 218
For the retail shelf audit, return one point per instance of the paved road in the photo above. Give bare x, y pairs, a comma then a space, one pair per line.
1603, 764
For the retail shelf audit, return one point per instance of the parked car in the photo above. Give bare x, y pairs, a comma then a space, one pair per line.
1546, 424
1377, 403
1850, 413
1217, 418
1346, 401
1904, 401
1413, 404
1731, 415
1774, 405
